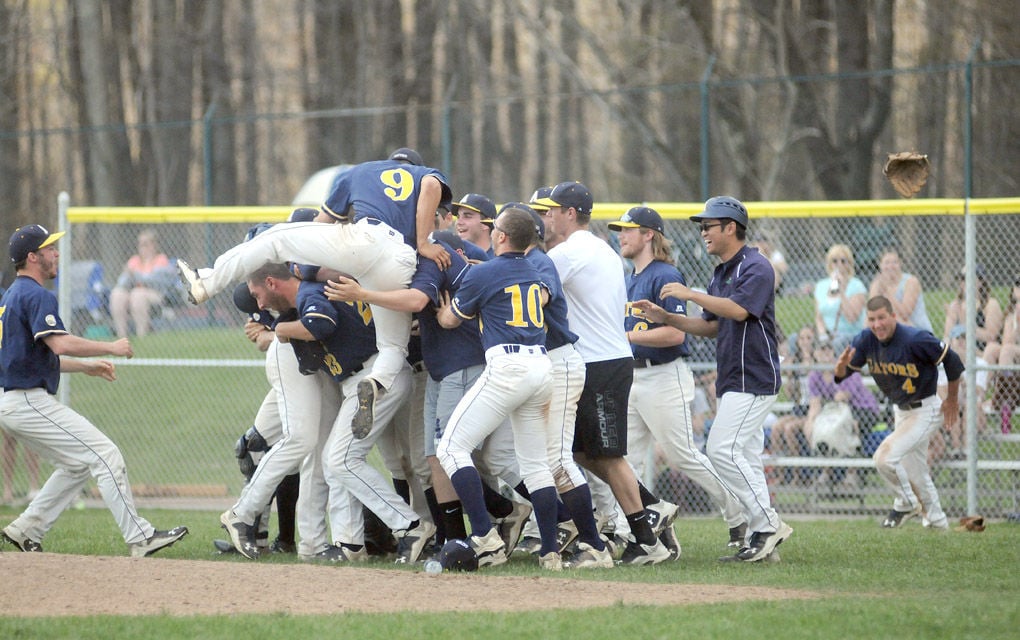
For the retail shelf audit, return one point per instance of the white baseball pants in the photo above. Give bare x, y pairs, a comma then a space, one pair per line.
660, 409
78, 450
374, 254
735, 443
902, 459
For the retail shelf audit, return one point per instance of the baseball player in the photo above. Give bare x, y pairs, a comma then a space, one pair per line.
474, 212
392, 206
454, 359
596, 293
35, 350
506, 295
904, 362
345, 332
663, 387
739, 312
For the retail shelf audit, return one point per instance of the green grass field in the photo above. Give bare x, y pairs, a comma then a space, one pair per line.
875, 583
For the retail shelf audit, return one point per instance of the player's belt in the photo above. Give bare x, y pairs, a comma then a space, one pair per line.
907, 406
419, 366
531, 350
644, 363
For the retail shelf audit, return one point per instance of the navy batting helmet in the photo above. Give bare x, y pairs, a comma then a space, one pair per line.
721, 207
457, 555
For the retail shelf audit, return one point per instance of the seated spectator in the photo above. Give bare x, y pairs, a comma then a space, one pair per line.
988, 317
768, 247
839, 299
787, 437
142, 285
1007, 383
823, 389
902, 289
954, 433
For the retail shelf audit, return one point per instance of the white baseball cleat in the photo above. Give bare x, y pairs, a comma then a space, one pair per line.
241, 535
588, 557
488, 548
192, 283
661, 515
551, 561
640, 554
763, 543
510, 527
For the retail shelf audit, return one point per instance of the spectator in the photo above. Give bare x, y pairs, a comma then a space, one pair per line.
1007, 383
839, 298
141, 286
787, 432
822, 389
954, 432
902, 289
988, 317
768, 247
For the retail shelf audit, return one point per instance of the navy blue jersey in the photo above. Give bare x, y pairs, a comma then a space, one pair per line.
906, 367
747, 354
385, 190
505, 293
28, 313
445, 351
646, 285
557, 329
474, 252
344, 329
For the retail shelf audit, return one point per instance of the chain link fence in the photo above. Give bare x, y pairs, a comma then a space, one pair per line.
196, 382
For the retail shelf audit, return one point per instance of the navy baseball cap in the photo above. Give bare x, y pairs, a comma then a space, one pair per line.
541, 192
303, 214
449, 237
404, 154
539, 222
721, 207
30, 238
569, 194
479, 204
457, 555
639, 217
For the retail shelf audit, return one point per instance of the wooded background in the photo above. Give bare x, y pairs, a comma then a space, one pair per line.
182, 102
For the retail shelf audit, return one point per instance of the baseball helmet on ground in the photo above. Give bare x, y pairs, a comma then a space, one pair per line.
721, 207
457, 555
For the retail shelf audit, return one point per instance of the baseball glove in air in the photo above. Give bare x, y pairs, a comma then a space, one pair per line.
907, 171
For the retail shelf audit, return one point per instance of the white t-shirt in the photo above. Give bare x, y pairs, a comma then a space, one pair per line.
596, 293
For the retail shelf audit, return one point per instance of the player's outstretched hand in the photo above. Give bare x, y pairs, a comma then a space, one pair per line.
843, 361
344, 289
652, 311
121, 347
100, 368
436, 253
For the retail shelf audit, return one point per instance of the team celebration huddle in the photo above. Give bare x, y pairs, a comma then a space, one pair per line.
513, 378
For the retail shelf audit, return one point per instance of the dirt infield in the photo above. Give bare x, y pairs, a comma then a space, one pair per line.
47, 584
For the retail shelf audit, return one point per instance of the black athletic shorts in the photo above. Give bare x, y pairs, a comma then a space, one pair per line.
601, 426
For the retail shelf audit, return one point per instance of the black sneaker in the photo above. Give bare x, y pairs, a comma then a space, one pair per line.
279, 546
158, 540
737, 535
23, 543
764, 543
640, 554
896, 518
331, 554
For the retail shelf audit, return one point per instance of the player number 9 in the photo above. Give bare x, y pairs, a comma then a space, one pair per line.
399, 184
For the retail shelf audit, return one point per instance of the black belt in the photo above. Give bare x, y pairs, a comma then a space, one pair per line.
516, 348
907, 406
644, 363
419, 366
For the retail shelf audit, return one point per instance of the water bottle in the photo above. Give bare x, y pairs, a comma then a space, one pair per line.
433, 567
833, 283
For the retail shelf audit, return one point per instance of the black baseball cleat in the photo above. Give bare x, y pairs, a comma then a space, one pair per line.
638, 554
661, 515
411, 542
241, 535
896, 518
763, 543
158, 540
737, 535
13, 535
279, 546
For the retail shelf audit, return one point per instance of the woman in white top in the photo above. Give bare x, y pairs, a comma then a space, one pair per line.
902, 289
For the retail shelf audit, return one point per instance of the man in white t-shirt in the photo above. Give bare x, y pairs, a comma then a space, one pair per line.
596, 293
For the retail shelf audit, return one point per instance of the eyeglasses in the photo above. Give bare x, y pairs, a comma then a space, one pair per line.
843, 260
706, 226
